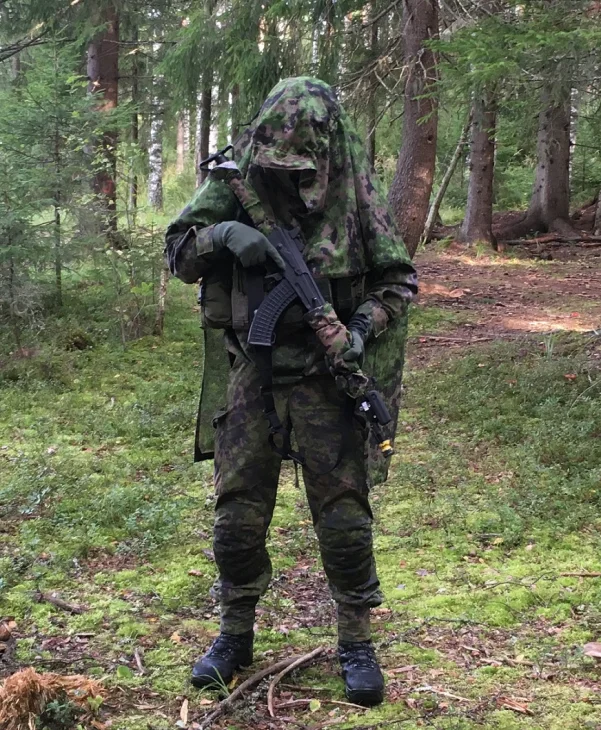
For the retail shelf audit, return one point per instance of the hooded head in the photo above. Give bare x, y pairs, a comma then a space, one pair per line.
303, 140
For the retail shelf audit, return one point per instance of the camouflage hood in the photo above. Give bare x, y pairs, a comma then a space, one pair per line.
302, 128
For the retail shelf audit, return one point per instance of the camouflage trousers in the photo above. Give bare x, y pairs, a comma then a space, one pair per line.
246, 480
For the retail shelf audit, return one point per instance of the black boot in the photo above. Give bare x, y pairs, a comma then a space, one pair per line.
227, 653
361, 672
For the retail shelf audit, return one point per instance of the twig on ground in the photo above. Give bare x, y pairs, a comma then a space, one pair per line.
138, 659
286, 670
442, 693
583, 242
225, 704
52, 598
580, 575
303, 702
459, 340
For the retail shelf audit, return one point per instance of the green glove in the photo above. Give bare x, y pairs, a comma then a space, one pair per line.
247, 244
356, 350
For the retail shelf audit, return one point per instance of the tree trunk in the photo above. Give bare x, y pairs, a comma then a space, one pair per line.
155, 156
597, 224
372, 106
181, 144
433, 216
159, 322
103, 79
550, 201
235, 111
549, 208
477, 224
411, 187
135, 129
204, 123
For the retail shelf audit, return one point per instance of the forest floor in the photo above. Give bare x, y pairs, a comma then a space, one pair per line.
488, 530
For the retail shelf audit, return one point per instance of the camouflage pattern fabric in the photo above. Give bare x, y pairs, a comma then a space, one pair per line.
246, 480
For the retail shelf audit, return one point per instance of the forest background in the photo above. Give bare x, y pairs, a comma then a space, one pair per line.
482, 118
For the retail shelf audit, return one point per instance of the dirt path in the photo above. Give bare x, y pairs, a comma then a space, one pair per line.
492, 296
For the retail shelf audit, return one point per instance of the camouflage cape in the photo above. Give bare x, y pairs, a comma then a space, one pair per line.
346, 225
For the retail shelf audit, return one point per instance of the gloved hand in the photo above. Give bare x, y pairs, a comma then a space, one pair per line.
356, 350
247, 244
360, 329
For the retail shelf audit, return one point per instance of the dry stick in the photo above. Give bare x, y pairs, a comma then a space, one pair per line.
436, 203
440, 692
225, 704
589, 242
580, 575
138, 659
304, 702
286, 670
459, 340
41, 597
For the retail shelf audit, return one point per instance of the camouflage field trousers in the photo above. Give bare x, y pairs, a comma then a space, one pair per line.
246, 480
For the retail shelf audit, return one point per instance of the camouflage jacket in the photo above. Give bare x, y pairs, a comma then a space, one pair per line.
351, 241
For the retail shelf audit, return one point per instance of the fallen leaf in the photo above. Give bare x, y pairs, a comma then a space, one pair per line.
183, 712
411, 702
570, 376
314, 705
5, 632
176, 638
196, 573
205, 702
592, 649
208, 554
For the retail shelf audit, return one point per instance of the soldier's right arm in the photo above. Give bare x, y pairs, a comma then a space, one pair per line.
189, 238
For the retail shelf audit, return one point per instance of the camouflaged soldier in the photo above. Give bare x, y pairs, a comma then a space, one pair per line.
306, 167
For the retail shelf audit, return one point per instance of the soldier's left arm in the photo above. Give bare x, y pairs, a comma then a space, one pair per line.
388, 295
189, 238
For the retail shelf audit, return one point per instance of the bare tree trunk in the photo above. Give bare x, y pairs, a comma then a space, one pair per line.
444, 184
549, 208
477, 224
155, 156
204, 125
159, 322
550, 202
103, 79
135, 129
181, 144
235, 111
409, 194
597, 225
372, 104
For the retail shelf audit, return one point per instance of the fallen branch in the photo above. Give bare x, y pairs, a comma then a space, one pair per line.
52, 598
459, 340
138, 660
442, 693
305, 702
588, 242
225, 704
580, 575
286, 670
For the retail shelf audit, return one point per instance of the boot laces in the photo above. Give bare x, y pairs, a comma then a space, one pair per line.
359, 656
226, 646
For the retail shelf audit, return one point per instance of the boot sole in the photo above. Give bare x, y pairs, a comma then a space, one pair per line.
365, 697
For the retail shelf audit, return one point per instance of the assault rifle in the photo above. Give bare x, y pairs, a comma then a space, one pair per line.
298, 283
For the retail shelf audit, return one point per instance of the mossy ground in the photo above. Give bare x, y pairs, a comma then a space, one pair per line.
495, 492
